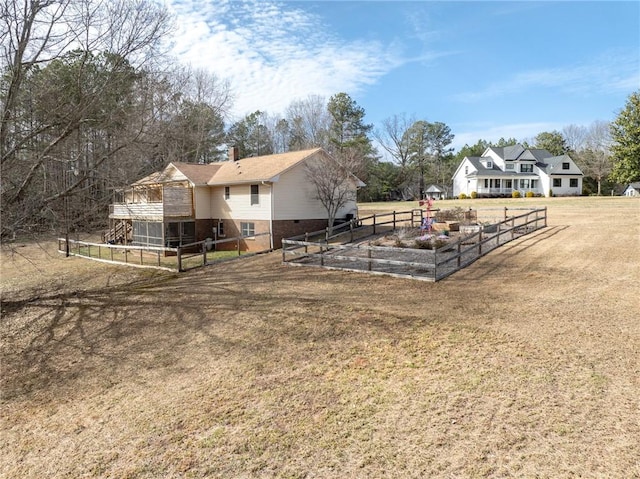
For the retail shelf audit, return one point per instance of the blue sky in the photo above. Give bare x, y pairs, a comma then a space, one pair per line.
486, 69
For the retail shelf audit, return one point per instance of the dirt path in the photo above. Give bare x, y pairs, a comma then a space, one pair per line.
525, 364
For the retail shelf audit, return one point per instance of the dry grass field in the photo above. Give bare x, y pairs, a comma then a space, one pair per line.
525, 364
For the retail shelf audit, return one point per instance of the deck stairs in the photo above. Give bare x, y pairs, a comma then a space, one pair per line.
119, 234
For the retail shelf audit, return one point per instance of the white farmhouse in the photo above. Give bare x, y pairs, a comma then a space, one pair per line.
502, 170
248, 197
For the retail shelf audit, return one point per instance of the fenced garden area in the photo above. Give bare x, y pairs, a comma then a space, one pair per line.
408, 244
182, 258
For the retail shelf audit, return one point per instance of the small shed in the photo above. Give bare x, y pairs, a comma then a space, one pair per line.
632, 189
436, 192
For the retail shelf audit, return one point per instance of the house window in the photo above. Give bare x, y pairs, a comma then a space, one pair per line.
509, 166
565, 166
227, 192
255, 195
528, 184
526, 168
489, 164
508, 183
466, 170
248, 229
486, 183
573, 182
221, 229
557, 182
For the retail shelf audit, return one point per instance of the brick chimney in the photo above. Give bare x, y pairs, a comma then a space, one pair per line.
234, 154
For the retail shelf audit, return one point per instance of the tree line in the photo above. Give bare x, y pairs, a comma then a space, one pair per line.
90, 101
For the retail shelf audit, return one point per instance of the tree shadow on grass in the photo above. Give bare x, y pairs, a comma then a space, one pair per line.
71, 341
502, 256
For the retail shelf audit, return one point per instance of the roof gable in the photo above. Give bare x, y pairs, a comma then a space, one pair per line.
196, 173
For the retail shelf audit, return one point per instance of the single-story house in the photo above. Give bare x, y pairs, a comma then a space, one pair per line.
502, 170
632, 189
436, 192
186, 202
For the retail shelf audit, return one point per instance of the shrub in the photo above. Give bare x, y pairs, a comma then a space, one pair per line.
530, 194
474, 195
439, 243
515, 194
550, 193
421, 243
462, 196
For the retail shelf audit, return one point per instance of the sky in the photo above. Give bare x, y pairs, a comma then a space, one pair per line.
486, 69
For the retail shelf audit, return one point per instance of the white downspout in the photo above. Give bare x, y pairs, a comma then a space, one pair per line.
271, 216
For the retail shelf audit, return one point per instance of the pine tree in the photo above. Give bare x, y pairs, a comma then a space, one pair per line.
625, 132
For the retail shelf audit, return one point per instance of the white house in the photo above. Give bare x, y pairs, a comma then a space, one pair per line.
632, 189
187, 202
502, 170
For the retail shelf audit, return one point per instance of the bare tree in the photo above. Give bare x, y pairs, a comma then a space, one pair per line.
595, 156
575, 136
70, 69
335, 186
309, 123
393, 138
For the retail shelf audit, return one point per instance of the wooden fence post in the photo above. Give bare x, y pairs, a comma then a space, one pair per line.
238, 245
351, 230
158, 257
545, 216
459, 248
141, 257
374, 223
435, 264
306, 240
394, 220
204, 254
369, 256
321, 256
480, 242
505, 212
326, 235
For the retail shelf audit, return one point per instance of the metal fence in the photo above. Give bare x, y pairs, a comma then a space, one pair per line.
361, 255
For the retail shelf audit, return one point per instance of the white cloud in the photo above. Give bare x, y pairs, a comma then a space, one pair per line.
274, 53
607, 73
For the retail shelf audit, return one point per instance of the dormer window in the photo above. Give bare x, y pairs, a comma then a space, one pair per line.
524, 168
489, 164
510, 166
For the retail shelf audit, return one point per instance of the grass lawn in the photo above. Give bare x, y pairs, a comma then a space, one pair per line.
524, 364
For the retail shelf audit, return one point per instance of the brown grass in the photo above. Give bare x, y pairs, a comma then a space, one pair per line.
525, 364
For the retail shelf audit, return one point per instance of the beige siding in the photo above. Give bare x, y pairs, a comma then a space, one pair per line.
295, 198
239, 206
202, 202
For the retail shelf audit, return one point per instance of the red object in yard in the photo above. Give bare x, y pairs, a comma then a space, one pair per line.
421, 202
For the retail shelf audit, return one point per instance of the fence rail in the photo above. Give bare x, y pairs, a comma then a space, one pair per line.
181, 258
428, 265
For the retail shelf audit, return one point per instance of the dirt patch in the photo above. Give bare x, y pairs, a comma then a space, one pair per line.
525, 364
